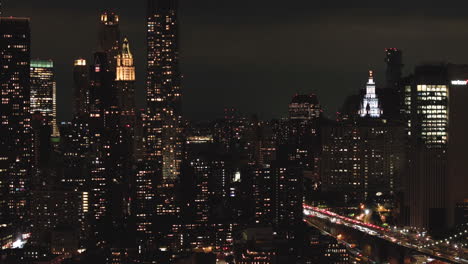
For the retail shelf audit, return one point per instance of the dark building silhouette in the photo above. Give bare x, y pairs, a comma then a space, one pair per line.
109, 37
394, 73
81, 92
15, 120
392, 94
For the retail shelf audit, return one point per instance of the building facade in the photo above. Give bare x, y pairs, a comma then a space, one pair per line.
44, 92
15, 119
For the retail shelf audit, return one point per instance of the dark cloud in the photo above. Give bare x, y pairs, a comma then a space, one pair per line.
255, 55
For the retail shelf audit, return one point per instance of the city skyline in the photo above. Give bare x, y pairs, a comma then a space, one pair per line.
242, 65
359, 166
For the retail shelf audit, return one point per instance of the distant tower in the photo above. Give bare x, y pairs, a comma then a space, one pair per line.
125, 81
370, 103
44, 92
394, 60
81, 88
109, 37
304, 107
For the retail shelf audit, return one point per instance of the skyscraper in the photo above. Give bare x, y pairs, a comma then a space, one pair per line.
109, 37
125, 82
81, 88
15, 118
458, 143
44, 92
427, 108
163, 119
391, 95
394, 60
370, 103
163, 88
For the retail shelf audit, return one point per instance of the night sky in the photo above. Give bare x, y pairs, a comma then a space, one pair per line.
255, 54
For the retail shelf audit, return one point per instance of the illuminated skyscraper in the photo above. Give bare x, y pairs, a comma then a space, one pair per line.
163, 89
44, 92
125, 81
163, 121
15, 118
370, 104
427, 106
109, 37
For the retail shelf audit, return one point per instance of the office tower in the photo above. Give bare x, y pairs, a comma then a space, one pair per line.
302, 145
370, 103
110, 155
427, 106
80, 88
163, 114
394, 61
362, 158
392, 95
109, 37
102, 91
44, 92
458, 143
125, 81
15, 119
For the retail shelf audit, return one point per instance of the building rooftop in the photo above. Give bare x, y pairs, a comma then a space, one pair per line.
305, 98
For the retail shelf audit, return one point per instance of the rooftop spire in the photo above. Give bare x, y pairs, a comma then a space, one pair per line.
126, 47
371, 77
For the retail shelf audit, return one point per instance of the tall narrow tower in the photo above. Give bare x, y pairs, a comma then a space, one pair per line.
370, 104
81, 88
109, 37
163, 89
394, 60
156, 194
125, 81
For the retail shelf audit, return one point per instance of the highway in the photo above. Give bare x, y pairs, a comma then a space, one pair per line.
405, 238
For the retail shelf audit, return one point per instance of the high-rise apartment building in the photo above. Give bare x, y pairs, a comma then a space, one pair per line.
163, 89
163, 120
15, 119
44, 92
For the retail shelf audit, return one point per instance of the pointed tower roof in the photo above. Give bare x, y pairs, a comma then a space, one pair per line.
126, 48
